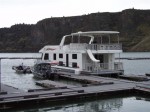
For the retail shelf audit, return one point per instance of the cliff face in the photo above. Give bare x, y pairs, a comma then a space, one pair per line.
133, 25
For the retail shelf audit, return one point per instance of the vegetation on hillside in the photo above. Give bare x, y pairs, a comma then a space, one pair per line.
133, 25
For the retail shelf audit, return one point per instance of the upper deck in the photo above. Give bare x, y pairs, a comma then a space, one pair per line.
97, 41
76, 46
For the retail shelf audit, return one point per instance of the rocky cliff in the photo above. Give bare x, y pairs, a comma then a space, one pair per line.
133, 25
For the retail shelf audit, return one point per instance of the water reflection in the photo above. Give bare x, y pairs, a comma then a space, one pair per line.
130, 104
92, 106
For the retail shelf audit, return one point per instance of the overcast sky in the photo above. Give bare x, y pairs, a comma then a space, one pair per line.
31, 11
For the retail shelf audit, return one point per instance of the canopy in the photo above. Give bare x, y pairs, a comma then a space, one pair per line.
88, 34
94, 33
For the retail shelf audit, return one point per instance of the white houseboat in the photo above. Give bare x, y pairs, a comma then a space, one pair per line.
91, 52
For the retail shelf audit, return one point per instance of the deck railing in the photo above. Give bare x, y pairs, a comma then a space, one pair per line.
96, 66
118, 66
103, 66
83, 46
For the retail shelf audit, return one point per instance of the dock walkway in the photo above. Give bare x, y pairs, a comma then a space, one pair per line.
53, 85
97, 86
6, 89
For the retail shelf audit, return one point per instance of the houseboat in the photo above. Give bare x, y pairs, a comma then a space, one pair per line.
91, 52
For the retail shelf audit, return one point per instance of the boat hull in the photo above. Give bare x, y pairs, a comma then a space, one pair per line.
22, 70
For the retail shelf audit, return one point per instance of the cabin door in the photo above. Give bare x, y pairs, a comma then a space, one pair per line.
67, 60
100, 57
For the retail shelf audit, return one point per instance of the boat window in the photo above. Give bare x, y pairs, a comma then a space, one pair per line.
60, 55
46, 56
74, 65
74, 56
54, 56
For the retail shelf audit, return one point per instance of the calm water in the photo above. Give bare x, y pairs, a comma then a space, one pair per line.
136, 67
130, 104
26, 81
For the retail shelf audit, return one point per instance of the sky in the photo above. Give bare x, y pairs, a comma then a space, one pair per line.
31, 11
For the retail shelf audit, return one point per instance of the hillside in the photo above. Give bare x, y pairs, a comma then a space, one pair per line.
133, 25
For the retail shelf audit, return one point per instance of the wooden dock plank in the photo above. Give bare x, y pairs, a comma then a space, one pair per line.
98, 79
106, 88
53, 84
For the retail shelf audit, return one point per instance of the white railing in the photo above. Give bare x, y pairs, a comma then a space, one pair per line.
78, 46
118, 66
103, 66
83, 46
105, 46
96, 66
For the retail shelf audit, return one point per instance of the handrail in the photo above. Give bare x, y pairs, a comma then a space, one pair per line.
84, 46
103, 66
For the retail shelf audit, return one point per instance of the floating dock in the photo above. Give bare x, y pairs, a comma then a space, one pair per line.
134, 58
53, 85
95, 87
134, 77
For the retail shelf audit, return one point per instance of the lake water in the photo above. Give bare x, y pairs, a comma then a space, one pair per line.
26, 81
136, 67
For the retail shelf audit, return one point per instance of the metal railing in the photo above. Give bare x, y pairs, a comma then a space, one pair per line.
95, 66
103, 66
118, 66
105, 46
78, 46
83, 46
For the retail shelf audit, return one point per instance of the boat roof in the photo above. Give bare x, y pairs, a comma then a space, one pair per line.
94, 33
